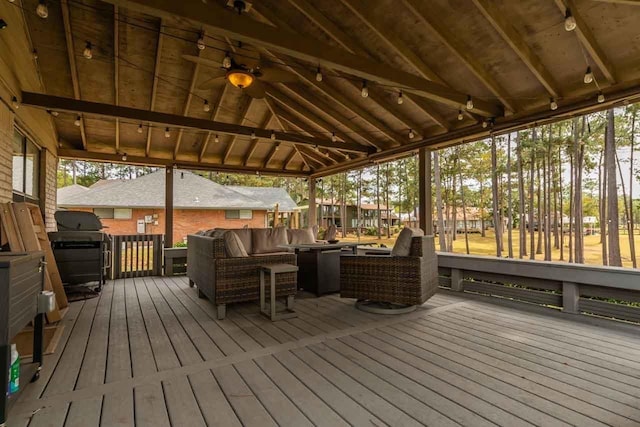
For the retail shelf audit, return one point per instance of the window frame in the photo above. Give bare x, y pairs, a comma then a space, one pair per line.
239, 214
27, 144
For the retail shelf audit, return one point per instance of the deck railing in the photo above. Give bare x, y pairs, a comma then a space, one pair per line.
137, 255
611, 292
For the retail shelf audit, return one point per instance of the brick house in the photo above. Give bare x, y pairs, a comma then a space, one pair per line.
137, 206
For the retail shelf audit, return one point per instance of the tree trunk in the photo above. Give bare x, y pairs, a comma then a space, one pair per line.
603, 209
571, 204
494, 190
627, 207
464, 211
521, 198
386, 202
547, 230
509, 200
578, 148
612, 190
561, 197
632, 242
436, 169
378, 212
539, 200
532, 166
483, 233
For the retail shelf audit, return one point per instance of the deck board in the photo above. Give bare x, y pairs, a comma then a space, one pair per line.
149, 351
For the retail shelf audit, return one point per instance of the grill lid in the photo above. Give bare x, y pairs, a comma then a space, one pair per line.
77, 221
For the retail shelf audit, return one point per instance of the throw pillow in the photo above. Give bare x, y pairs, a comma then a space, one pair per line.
303, 236
245, 237
268, 240
233, 245
403, 244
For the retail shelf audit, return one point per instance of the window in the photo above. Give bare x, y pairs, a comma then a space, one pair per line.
238, 214
111, 213
26, 167
122, 213
103, 213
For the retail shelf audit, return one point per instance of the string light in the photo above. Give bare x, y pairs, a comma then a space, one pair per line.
54, 113
273, 135
42, 10
140, 128
124, 157
318, 75
411, 134
485, 124
469, 102
365, 89
253, 135
600, 97
200, 43
167, 133
216, 139
553, 104
569, 21
333, 137
226, 61
15, 103
588, 76
460, 116
88, 51
400, 99
206, 107
34, 52
346, 156
276, 148
77, 121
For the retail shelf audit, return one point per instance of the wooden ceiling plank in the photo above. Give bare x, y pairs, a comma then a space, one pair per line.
588, 41
271, 155
511, 36
283, 128
154, 86
446, 37
243, 117
625, 2
66, 19
292, 155
204, 144
254, 142
116, 67
225, 22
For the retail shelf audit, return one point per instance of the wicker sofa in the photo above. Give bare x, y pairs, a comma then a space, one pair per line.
224, 279
403, 280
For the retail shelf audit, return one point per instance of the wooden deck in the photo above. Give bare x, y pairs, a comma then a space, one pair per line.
149, 352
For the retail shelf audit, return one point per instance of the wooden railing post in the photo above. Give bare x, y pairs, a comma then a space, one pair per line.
457, 283
570, 297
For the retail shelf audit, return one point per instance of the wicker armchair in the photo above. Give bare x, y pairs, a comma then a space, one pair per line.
403, 280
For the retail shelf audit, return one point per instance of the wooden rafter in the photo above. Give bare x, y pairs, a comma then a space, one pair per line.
116, 67
588, 41
270, 106
154, 86
248, 102
271, 155
254, 143
66, 18
513, 38
226, 23
204, 144
624, 2
449, 39
292, 155
187, 102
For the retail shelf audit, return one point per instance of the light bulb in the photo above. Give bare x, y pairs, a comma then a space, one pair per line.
600, 97
253, 135
42, 10
216, 139
277, 147
346, 156
588, 76
333, 137
469, 103
316, 148
54, 113
139, 128
553, 104
77, 121
460, 116
124, 157
167, 134
485, 124
400, 99
200, 42
88, 51
226, 61
411, 134
206, 107
15, 103
318, 75
365, 89
35, 53
273, 135
569, 21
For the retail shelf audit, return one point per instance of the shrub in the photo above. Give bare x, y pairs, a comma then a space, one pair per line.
180, 245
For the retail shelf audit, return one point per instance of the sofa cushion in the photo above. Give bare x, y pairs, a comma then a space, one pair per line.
302, 236
243, 233
267, 240
403, 244
233, 245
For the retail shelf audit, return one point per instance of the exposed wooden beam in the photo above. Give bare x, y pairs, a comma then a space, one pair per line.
180, 163
289, 159
281, 124
451, 41
588, 41
254, 143
248, 102
108, 110
499, 22
66, 19
204, 144
226, 23
625, 2
154, 86
391, 107
271, 155
116, 67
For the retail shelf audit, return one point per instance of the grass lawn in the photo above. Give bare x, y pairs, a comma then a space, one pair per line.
486, 246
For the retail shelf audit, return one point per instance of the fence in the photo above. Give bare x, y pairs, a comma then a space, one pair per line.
137, 255
611, 292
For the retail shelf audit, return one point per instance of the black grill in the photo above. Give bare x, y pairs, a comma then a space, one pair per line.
81, 249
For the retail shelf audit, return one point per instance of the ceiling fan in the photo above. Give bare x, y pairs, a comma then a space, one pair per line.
247, 75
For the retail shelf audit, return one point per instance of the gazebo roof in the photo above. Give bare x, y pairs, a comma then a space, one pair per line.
511, 57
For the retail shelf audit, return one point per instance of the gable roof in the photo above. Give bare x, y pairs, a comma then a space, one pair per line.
70, 191
190, 191
269, 196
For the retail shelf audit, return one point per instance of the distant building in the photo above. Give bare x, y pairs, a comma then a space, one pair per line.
137, 206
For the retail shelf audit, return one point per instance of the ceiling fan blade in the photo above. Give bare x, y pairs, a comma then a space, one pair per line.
211, 82
277, 75
255, 90
202, 61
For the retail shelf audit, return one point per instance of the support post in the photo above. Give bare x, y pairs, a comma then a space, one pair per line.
313, 213
168, 208
570, 297
425, 193
457, 280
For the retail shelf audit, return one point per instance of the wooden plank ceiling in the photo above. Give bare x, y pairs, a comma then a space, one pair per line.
511, 57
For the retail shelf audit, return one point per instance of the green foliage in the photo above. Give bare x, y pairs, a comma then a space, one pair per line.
180, 245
